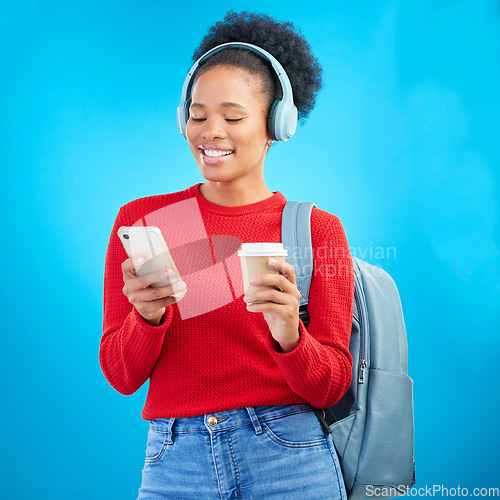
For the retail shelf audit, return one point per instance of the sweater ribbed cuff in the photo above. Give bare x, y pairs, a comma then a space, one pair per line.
289, 356
304, 368
144, 327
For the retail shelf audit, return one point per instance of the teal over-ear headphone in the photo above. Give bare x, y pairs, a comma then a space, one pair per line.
283, 113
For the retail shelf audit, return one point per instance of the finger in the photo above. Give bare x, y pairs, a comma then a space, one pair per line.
271, 307
130, 265
275, 280
150, 308
164, 276
263, 307
156, 307
284, 268
128, 268
150, 294
271, 295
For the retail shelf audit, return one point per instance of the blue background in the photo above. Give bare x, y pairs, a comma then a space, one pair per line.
400, 147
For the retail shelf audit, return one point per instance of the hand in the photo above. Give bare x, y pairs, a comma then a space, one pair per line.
149, 302
282, 311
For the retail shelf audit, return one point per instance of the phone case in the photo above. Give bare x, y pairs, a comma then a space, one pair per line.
147, 241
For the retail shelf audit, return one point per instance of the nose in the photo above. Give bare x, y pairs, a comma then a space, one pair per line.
214, 129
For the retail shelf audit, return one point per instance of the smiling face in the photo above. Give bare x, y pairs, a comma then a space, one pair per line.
227, 126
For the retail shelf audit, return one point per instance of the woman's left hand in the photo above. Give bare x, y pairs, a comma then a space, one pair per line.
282, 311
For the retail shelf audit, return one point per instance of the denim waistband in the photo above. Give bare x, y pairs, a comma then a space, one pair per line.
227, 419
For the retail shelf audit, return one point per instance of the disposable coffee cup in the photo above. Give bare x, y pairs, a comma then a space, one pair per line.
254, 260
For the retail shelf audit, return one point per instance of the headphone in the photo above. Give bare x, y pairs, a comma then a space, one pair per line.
283, 113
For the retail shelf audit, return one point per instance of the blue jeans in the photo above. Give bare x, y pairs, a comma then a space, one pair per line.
261, 452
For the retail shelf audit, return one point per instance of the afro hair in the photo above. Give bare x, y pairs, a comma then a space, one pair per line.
281, 39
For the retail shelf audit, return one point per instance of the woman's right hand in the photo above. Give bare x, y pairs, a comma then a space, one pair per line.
150, 302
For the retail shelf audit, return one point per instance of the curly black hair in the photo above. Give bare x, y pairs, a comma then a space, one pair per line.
281, 39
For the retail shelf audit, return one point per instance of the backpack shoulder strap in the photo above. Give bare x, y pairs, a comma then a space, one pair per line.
296, 238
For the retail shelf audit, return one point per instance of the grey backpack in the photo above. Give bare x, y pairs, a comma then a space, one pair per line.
372, 424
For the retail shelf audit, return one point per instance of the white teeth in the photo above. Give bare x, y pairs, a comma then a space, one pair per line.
215, 152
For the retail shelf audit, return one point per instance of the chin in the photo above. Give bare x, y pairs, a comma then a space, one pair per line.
216, 173
216, 178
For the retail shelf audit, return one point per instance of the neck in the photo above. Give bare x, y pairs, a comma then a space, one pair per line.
234, 195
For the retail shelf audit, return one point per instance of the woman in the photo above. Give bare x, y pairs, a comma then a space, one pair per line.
233, 380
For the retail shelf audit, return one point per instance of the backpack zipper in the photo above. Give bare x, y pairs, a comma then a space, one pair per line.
360, 304
362, 367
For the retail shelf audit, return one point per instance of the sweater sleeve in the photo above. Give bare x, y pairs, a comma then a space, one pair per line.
129, 346
319, 369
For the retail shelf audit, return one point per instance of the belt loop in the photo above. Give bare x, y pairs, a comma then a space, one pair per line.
254, 419
170, 423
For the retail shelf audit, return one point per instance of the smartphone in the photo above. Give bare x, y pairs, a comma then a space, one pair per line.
148, 242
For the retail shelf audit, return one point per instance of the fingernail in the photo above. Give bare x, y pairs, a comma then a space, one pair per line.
179, 287
273, 261
139, 260
252, 280
169, 273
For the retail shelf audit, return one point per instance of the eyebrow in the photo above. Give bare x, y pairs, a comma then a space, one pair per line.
223, 105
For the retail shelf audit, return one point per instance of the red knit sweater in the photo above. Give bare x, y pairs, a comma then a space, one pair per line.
211, 354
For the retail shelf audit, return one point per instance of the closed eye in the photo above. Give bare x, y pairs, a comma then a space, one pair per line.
229, 120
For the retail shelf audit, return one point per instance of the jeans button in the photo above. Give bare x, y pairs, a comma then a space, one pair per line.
212, 421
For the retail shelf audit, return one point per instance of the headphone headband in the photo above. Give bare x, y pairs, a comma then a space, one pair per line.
283, 115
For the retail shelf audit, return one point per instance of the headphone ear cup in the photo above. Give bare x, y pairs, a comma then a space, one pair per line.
180, 120
183, 117
285, 120
271, 122
291, 125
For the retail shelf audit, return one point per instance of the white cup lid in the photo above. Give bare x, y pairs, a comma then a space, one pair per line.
259, 249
